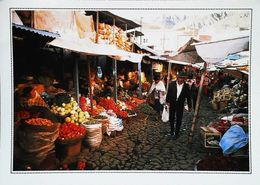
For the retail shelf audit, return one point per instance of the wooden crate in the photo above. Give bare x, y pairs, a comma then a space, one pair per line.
210, 136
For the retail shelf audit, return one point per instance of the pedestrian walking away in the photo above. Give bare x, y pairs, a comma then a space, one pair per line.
178, 92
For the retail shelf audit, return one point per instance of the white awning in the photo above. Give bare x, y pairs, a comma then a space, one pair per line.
216, 51
179, 62
90, 48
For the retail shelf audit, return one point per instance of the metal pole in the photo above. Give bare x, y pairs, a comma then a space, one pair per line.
151, 72
140, 79
97, 23
168, 75
114, 23
114, 65
32, 19
90, 87
115, 79
196, 113
76, 78
141, 22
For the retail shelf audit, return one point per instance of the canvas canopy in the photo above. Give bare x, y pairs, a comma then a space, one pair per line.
187, 53
216, 51
77, 34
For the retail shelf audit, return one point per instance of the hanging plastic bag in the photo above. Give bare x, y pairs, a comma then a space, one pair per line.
234, 139
165, 114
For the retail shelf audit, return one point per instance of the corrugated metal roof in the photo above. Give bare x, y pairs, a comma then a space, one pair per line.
33, 30
146, 48
136, 33
107, 17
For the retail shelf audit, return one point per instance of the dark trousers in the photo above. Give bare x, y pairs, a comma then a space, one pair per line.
176, 115
194, 101
158, 107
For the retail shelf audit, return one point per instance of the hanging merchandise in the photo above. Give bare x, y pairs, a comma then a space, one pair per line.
99, 72
157, 67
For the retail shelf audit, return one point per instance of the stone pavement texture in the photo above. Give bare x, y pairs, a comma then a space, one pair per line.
143, 145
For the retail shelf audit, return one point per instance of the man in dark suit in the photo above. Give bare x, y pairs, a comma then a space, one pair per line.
178, 91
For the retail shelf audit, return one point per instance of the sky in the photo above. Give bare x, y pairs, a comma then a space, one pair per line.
159, 27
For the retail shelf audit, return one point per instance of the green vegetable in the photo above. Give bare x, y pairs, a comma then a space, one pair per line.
146, 109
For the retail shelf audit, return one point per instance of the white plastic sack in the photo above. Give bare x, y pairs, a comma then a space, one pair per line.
165, 114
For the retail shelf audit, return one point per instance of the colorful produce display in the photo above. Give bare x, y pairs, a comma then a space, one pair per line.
226, 94
71, 131
146, 109
39, 122
72, 111
109, 104
81, 165
222, 126
24, 114
113, 35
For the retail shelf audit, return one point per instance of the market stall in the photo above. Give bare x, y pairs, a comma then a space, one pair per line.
76, 119
230, 132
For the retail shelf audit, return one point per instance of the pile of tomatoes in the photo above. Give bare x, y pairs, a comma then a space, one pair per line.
39, 122
71, 131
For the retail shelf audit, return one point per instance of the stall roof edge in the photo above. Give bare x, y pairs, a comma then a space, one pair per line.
136, 33
150, 50
120, 21
37, 31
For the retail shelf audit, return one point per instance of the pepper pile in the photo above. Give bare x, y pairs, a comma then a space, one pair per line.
109, 104
39, 122
71, 131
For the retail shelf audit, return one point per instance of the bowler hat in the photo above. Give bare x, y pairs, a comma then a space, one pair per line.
182, 74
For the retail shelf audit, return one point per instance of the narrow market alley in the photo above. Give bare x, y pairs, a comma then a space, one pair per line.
143, 145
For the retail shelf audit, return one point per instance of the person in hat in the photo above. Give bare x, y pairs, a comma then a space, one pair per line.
178, 92
159, 90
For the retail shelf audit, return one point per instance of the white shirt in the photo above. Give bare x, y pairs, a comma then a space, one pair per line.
158, 87
179, 89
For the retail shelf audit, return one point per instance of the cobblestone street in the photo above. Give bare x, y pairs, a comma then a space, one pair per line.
143, 145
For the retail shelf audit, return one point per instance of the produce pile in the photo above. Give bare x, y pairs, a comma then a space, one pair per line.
71, 131
39, 122
222, 126
71, 110
24, 114
85, 106
105, 34
238, 94
226, 94
146, 109
240, 119
109, 104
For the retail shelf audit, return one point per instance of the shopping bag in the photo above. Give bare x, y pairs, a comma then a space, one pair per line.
165, 114
234, 139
